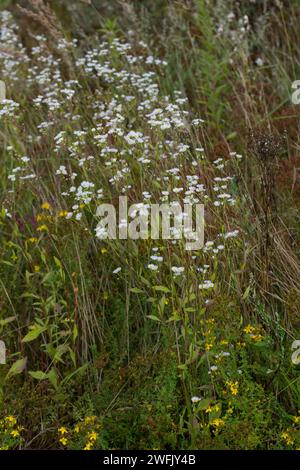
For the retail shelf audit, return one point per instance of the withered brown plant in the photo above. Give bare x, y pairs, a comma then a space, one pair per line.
266, 147
41, 13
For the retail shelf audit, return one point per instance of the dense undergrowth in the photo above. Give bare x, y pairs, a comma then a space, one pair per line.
140, 344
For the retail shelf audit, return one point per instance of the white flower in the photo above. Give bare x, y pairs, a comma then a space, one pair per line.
206, 285
195, 399
61, 170
234, 233
177, 270
152, 267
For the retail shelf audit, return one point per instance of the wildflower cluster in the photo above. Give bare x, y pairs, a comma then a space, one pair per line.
291, 435
254, 333
84, 435
10, 433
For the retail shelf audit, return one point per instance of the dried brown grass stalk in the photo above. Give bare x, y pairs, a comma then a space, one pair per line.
42, 14
266, 148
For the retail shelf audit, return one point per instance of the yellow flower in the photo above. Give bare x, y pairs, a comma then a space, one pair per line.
287, 438
296, 419
218, 422
103, 251
256, 338
92, 436
42, 228
63, 441
63, 213
89, 419
77, 428
249, 329
233, 386
32, 240
88, 446
46, 206
63, 430
37, 268
15, 433
11, 420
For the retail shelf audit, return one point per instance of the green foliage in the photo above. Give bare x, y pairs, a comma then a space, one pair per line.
105, 348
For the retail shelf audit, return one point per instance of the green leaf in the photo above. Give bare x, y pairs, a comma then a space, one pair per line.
75, 333
136, 290
145, 281
38, 374
52, 376
17, 367
164, 289
57, 262
7, 320
246, 293
35, 332
203, 404
153, 317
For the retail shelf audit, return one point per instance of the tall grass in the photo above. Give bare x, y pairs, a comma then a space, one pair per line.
139, 343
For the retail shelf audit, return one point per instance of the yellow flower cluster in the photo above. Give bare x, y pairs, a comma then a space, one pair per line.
62, 433
296, 419
233, 386
291, 436
209, 333
254, 333
212, 409
91, 439
49, 218
287, 436
43, 218
87, 429
10, 433
218, 423
42, 228
63, 214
